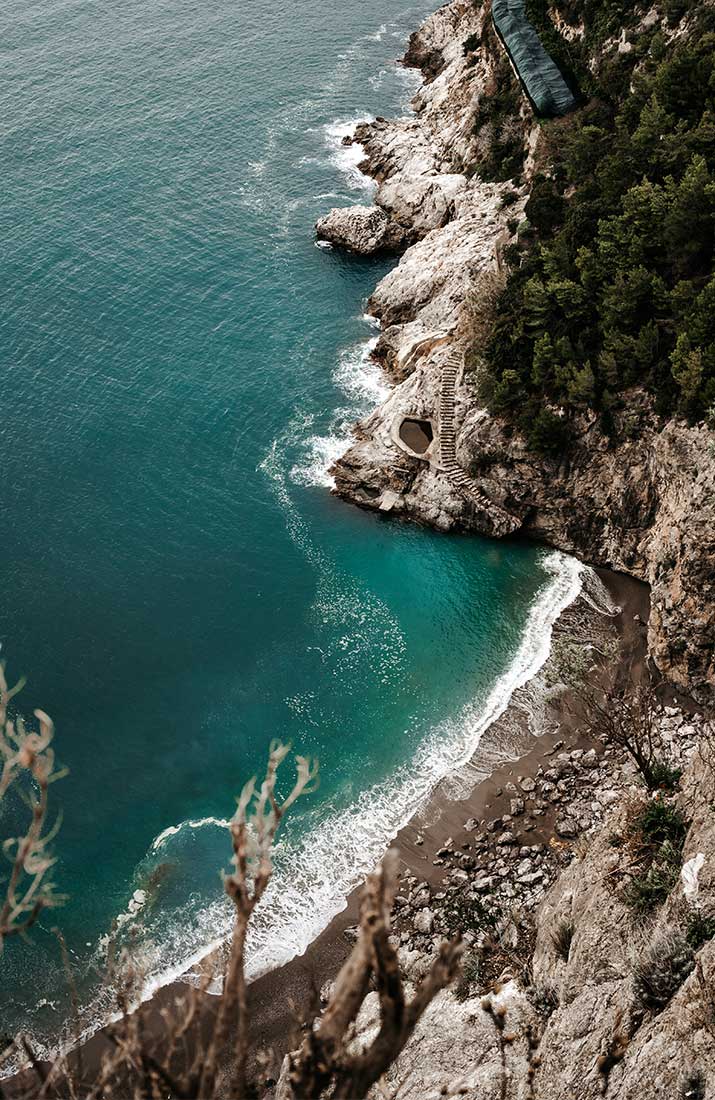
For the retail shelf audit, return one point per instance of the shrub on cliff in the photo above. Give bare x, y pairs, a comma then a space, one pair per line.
656, 835
628, 721
548, 434
661, 968
500, 136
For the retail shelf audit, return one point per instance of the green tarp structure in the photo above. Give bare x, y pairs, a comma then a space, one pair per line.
546, 88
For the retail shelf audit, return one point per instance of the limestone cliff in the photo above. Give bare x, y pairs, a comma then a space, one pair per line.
641, 501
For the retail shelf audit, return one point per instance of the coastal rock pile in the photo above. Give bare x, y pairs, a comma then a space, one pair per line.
512, 858
360, 229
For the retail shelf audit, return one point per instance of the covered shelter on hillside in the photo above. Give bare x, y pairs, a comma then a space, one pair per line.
541, 79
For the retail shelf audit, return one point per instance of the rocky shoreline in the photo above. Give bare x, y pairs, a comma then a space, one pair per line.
538, 725
526, 855
644, 505
537, 729
504, 866
539, 877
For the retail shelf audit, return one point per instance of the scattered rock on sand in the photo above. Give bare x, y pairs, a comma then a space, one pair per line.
424, 921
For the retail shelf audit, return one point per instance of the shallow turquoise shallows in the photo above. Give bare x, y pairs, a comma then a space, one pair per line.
179, 364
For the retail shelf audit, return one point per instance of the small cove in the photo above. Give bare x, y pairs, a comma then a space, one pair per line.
181, 364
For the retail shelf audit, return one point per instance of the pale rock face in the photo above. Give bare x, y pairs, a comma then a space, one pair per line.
435, 276
455, 1044
424, 921
361, 229
644, 507
595, 986
455, 1049
556, 1030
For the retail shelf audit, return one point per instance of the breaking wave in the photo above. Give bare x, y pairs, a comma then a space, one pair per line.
363, 383
316, 870
347, 157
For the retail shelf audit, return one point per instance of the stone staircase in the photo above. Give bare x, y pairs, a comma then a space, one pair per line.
457, 477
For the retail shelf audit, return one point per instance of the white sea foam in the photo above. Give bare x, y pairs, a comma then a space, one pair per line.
172, 830
359, 376
347, 157
379, 33
321, 452
363, 383
314, 875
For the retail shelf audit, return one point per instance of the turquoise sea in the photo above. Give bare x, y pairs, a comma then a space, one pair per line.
179, 364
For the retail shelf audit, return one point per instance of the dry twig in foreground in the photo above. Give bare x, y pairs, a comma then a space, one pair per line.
28, 769
325, 1059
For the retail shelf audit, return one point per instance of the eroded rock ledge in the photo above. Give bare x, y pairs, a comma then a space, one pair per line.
645, 506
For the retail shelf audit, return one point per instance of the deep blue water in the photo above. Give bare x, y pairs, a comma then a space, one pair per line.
179, 362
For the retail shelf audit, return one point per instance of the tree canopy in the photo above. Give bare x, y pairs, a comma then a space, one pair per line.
612, 284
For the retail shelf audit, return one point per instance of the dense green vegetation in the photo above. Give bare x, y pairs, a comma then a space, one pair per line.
496, 121
612, 280
657, 835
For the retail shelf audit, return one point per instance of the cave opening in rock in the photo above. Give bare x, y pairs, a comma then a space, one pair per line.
416, 434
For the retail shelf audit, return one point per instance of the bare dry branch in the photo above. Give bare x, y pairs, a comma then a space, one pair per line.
627, 720
325, 1058
28, 769
253, 830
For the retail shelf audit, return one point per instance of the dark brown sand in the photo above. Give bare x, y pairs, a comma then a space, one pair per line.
282, 999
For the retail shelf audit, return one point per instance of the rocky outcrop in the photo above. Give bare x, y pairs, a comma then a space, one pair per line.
433, 1062
644, 505
421, 307
551, 1003
661, 1047
419, 162
572, 1018
361, 229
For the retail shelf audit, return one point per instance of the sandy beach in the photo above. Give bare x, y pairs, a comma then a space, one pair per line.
282, 1000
